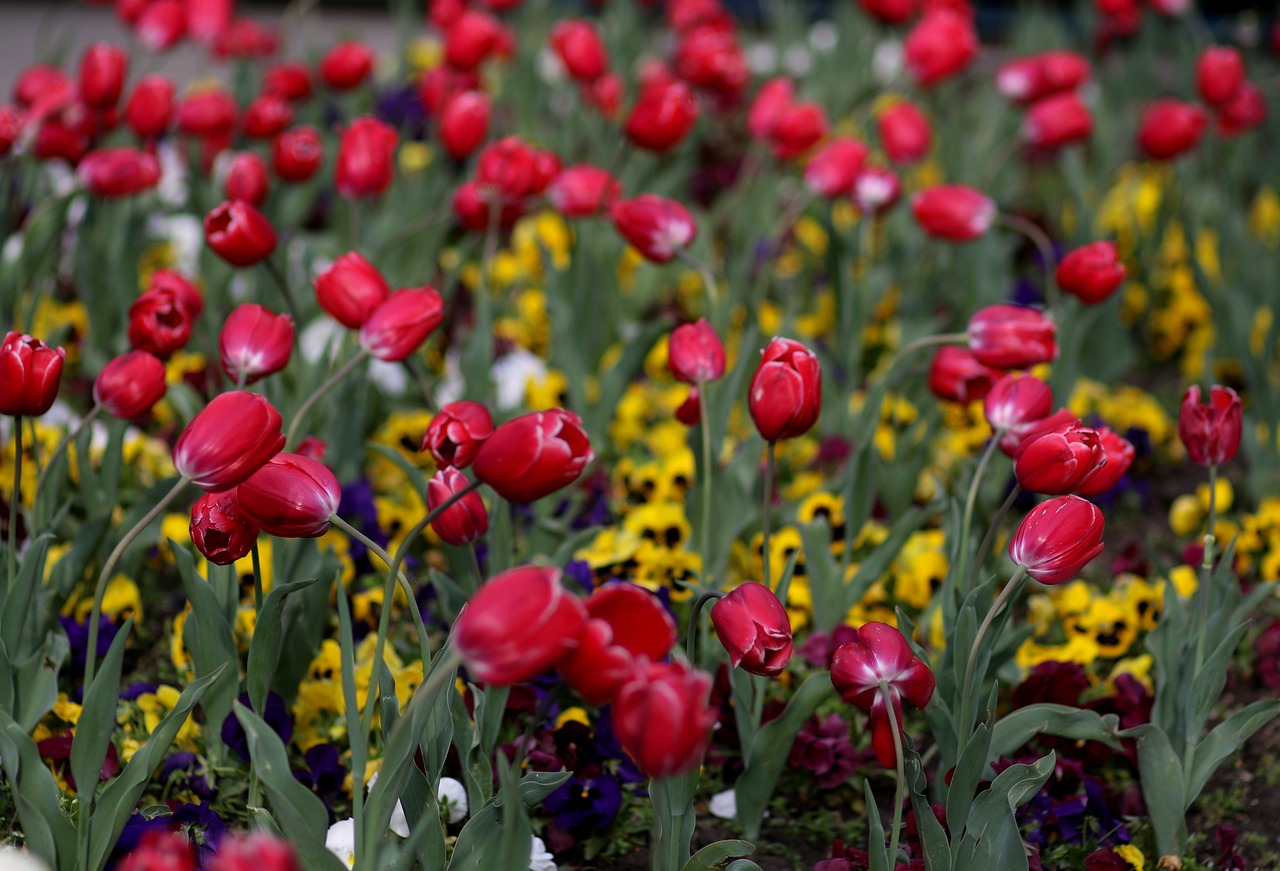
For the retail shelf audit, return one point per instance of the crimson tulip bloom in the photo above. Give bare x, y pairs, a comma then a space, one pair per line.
266, 116
471, 38
256, 852
1120, 454
753, 627
465, 520
1060, 460
246, 178
208, 20
1219, 74
162, 24
464, 123
150, 106
1030, 78
183, 289
662, 116
289, 80
438, 86
905, 133
881, 654
655, 226
1017, 400
1169, 128
709, 57
662, 718
800, 127
1057, 539
456, 433
366, 158
402, 323
1057, 121
118, 172
583, 190
1012, 337
876, 190
942, 44
102, 72
773, 100
239, 234
833, 169
346, 66
604, 94
511, 169
890, 11
159, 322
351, 290
1245, 110
954, 212
30, 372
255, 342
219, 529
955, 376
210, 113
1091, 273
229, 440
521, 623
625, 622
161, 849
578, 44
43, 86
130, 385
534, 455
290, 496
785, 395
1210, 432
695, 353
296, 153
11, 124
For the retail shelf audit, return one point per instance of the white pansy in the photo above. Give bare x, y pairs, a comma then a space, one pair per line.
172, 188
541, 858
797, 61
724, 805
550, 68
185, 233
511, 374
13, 859
321, 339
341, 841
399, 822
762, 58
886, 61
823, 37
453, 795
391, 378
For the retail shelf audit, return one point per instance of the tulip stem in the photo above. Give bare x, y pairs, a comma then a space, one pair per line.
283, 283
476, 571
257, 580
704, 272
1037, 237
706, 482
63, 445
767, 503
900, 786
15, 501
981, 553
691, 634
100, 589
331, 382
966, 523
964, 727
1204, 590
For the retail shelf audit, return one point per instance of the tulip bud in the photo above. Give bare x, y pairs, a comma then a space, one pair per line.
159, 322
266, 116
1119, 453
464, 123
1012, 337
876, 190
955, 376
1057, 539
953, 212
580, 48
604, 94
904, 133
346, 66
583, 190
219, 529
398, 326
695, 353
773, 100
662, 719
456, 433
351, 290
118, 172
662, 117
1210, 433
1219, 74
254, 342
246, 179
257, 852
1027, 79
1091, 273
130, 384
290, 496
625, 622
150, 106
102, 73
753, 627
462, 522
941, 44
1169, 128
655, 226
1057, 121
521, 623
833, 169
800, 127
1060, 460
534, 455
296, 153
229, 440
30, 372
239, 234
785, 396
366, 158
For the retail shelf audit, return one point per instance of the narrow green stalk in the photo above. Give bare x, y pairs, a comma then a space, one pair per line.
331, 382
357, 732
282, 283
257, 580
63, 445
476, 571
706, 483
766, 503
1037, 238
980, 554
708, 279
691, 633
899, 791
966, 523
15, 501
964, 726
1204, 591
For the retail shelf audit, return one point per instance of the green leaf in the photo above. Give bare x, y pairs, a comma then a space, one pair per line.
268, 640
826, 583
1020, 726
933, 838
416, 476
1224, 740
209, 638
992, 839
1160, 771
515, 838
877, 850
968, 772
19, 614
98, 717
482, 829
714, 856
44, 826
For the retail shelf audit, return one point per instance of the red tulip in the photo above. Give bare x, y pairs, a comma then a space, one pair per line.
442, 84
162, 25
534, 455
402, 323
1057, 539
785, 396
662, 719
346, 66
289, 80
462, 522
170, 851
605, 94
657, 227
43, 88
905, 133
239, 234
184, 291
118, 172
689, 412
254, 342
879, 654
351, 290
1016, 401
832, 171
771, 102
709, 57
229, 440
695, 353
464, 123
266, 116
1246, 110
583, 190
210, 113
246, 38
246, 178
511, 170
56, 141
1030, 78
150, 106
471, 38
256, 852
800, 127
1058, 120
1120, 454
207, 20
30, 372
955, 376
1012, 337
219, 529
296, 153
366, 158
662, 116
1060, 460
1169, 128
159, 322
753, 627
130, 384
578, 44
890, 11
953, 212
443, 13
290, 496
625, 622
1219, 74
942, 44
1091, 273
1210, 433
521, 623
456, 433
102, 72
876, 190
11, 124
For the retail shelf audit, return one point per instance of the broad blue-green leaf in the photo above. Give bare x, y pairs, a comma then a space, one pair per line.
1020, 726
715, 856
1224, 740
933, 838
877, 850
46, 829
482, 828
1161, 775
98, 717
210, 641
991, 838
968, 772
17, 624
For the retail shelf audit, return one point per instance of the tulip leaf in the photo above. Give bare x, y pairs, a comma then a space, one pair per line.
515, 836
35, 680
877, 850
482, 829
991, 836
16, 625
1161, 774
968, 772
208, 637
826, 583
268, 641
1020, 726
98, 717
933, 838
31, 785
1224, 740
1208, 684
742, 865
715, 856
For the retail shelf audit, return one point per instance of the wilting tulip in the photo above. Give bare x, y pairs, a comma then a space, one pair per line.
1057, 121
234, 435
1120, 454
366, 158
583, 190
399, 326
30, 372
521, 623
290, 496
800, 127
773, 100
296, 153
657, 227
904, 132
254, 342
858, 669
118, 172
456, 433
1060, 460
785, 396
1091, 273
130, 385
942, 44
832, 171
625, 622
210, 113
876, 190
754, 628
246, 178
577, 43
239, 234
464, 123
351, 290
102, 72
219, 529
663, 116
256, 852
953, 212
1219, 73
1012, 337
534, 455
1210, 432
1169, 128
289, 80
346, 65
465, 520
955, 376
1057, 539
159, 322
266, 116
150, 106
662, 718
695, 353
